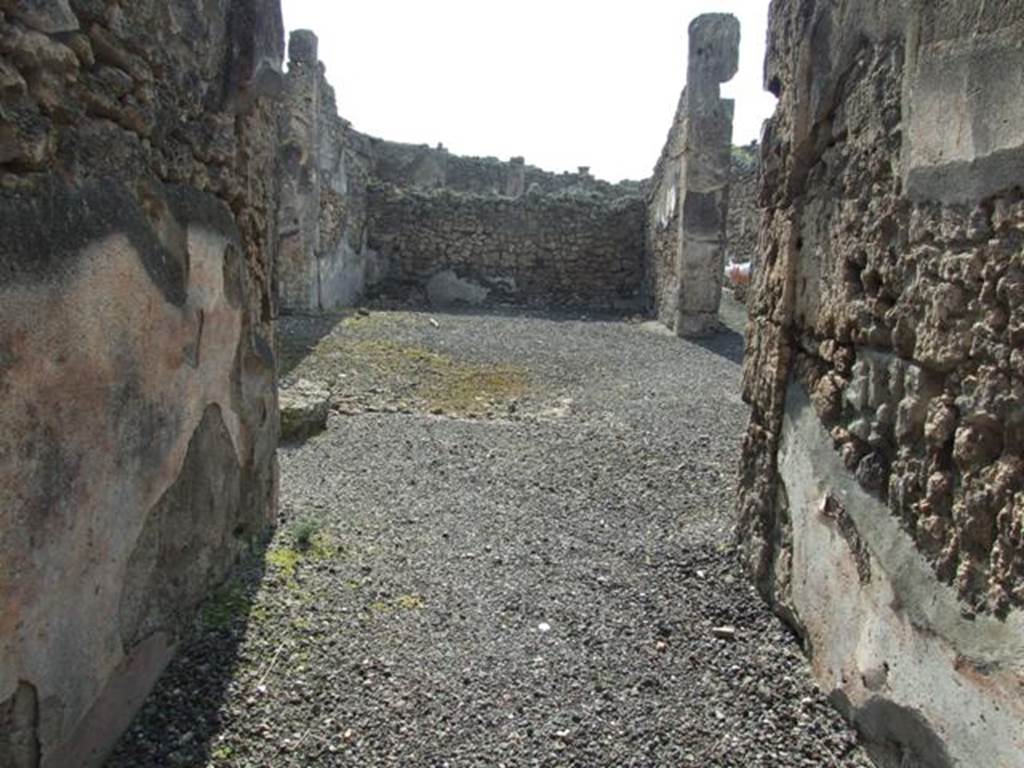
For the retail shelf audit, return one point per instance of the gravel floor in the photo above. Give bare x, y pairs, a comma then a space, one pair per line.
535, 574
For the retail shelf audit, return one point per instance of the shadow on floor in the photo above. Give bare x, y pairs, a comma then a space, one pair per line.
726, 343
304, 333
198, 679
729, 342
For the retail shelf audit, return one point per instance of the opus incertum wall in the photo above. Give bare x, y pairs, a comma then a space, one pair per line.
360, 214
882, 498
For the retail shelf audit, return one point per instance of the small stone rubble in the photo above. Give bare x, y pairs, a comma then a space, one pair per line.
549, 586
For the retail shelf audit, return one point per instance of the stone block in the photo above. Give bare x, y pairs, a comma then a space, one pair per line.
304, 409
48, 16
965, 127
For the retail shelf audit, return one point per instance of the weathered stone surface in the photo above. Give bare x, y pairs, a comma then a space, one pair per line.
688, 198
421, 167
882, 373
561, 249
19, 723
964, 139
446, 288
49, 16
744, 216
325, 262
887, 636
304, 409
138, 414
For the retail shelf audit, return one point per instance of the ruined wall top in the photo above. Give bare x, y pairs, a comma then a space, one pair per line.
303, 47
425, 167
714, 54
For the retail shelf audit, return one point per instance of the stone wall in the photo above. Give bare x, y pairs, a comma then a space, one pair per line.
325, 262
567, 249
357, 211
663, 233
138, 415
419, 166
744, 219
688, 196
881, 505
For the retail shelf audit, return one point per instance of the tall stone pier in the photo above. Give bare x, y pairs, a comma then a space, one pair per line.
690, 192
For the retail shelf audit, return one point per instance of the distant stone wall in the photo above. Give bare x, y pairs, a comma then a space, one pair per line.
138, 412
574, 250
744, 219
324, 261
419, 166
882, 508
360, 214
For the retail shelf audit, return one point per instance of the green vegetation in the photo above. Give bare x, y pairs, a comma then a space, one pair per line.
746, 157
304, 532
413, 376
285, 560
222, 753
309, 542
224, 606
410, 602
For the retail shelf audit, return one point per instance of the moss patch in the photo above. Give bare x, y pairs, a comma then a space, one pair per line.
285, 560
375, 321
410, 602
222, 753
225, 606
322, 546
308, 544
295, 347
383, 374
440, 382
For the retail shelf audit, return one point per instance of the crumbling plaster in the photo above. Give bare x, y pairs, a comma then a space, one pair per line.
138, 422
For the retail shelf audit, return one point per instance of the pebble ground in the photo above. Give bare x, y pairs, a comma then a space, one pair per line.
538, 573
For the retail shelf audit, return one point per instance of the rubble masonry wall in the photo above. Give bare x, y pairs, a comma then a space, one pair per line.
361, 214
881, 506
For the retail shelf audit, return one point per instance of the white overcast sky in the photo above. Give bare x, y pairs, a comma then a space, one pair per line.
564, 83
